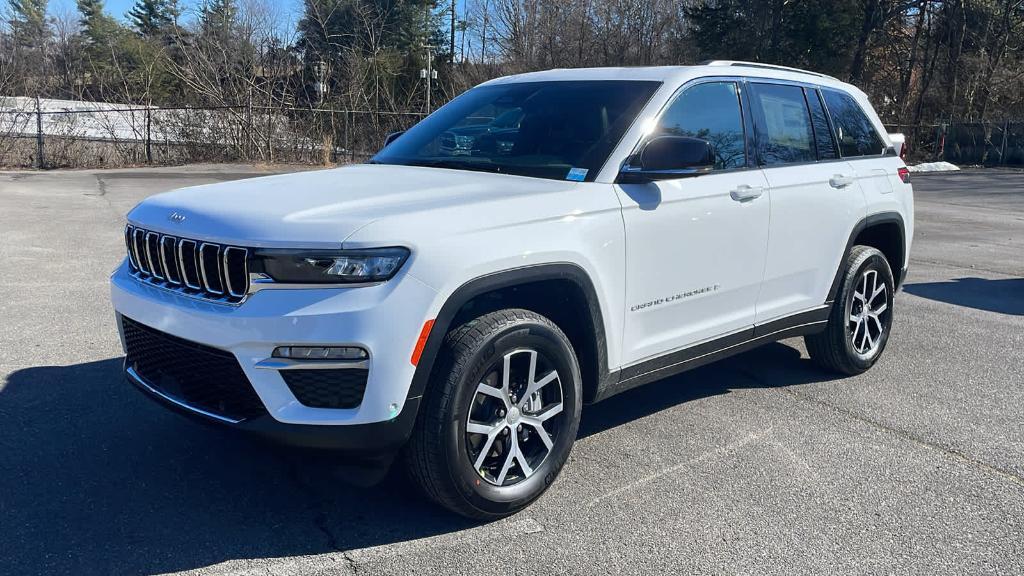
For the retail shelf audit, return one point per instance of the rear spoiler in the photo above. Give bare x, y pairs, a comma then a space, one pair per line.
899, 144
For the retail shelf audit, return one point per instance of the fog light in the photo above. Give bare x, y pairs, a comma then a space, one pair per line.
320, 353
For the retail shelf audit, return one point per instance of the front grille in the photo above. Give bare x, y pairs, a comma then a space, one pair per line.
194, 374
320, 388
202, 269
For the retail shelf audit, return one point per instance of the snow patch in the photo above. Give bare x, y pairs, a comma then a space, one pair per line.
934, 167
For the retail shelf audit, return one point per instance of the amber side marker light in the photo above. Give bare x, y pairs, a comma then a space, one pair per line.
421, 342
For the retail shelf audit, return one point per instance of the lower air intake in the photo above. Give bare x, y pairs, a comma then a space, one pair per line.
327, 388
193, 374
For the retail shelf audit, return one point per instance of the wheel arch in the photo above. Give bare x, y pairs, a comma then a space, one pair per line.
578, 313
885, 231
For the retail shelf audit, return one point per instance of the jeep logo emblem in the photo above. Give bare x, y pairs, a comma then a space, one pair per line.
176, 217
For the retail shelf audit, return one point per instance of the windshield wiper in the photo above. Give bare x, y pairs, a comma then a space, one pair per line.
458, 165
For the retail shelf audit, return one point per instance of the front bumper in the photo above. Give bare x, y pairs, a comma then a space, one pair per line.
369, 439
382, 319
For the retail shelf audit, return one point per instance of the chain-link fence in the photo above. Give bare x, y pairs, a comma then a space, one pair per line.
982, 143
965, 143
62, 133
47, 133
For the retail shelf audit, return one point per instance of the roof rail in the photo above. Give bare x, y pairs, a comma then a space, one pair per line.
761, 65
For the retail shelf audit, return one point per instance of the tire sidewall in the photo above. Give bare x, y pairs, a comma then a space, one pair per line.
874, 260
555, 346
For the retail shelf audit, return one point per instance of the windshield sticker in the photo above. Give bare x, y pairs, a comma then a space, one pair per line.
577, 174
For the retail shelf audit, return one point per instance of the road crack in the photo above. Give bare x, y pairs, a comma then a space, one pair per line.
317, 505
101, 187
101, 193
951, 453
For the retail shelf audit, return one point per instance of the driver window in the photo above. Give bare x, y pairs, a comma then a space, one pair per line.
709, 111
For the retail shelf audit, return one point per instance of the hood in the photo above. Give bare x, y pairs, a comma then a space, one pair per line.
322, 208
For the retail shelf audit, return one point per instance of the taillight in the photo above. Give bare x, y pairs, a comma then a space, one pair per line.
904, 174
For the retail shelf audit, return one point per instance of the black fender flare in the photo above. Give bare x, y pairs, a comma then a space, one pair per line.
864, 224
509, 279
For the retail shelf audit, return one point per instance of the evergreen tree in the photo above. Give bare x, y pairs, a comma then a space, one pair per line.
217, 17
226, 54
98, 28
90, 9
331, 26
382, 41
154, 17
801, 34
26, 66
118, 65
28, 22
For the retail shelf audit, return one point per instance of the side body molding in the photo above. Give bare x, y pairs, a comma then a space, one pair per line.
509, 279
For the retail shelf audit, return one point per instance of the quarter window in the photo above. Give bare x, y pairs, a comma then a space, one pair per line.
709, 111
784, 132
856, 134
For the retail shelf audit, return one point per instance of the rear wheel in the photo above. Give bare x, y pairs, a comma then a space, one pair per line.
861, 317
500, 415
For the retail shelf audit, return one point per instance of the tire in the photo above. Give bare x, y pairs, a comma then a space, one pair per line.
466, 389
855, 336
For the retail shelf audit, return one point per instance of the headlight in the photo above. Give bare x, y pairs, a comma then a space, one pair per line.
330, 266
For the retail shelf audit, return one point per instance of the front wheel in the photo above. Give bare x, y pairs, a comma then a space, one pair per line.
861, 317
499, 417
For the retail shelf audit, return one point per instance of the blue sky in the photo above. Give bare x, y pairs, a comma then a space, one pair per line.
118, 8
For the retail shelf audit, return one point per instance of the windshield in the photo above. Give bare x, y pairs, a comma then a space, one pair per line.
555, 130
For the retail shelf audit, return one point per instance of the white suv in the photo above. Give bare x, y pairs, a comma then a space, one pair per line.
458, 305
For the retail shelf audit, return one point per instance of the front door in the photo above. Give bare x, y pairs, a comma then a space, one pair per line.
695, 246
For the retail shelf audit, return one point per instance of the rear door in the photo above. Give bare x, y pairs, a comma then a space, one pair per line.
815, 198
859, 143
695, 245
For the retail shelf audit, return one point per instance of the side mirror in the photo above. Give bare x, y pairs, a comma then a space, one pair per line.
391, 137
668, 158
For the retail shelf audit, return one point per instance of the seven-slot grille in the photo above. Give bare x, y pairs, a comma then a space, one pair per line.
205, 269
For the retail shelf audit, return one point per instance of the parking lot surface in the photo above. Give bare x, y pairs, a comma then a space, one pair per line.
760, 464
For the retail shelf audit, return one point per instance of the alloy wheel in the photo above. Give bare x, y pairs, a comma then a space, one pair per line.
514, 417
868, 313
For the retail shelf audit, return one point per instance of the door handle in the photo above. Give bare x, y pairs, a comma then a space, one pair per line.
744, 193
840, 181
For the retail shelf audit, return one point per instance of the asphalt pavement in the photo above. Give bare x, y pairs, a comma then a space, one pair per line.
760, 464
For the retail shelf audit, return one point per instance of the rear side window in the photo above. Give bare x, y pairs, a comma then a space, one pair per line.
784, 133
823, 139
856, 134
709, 111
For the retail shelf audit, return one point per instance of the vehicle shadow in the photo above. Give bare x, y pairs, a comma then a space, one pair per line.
1005, 296
96, 478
